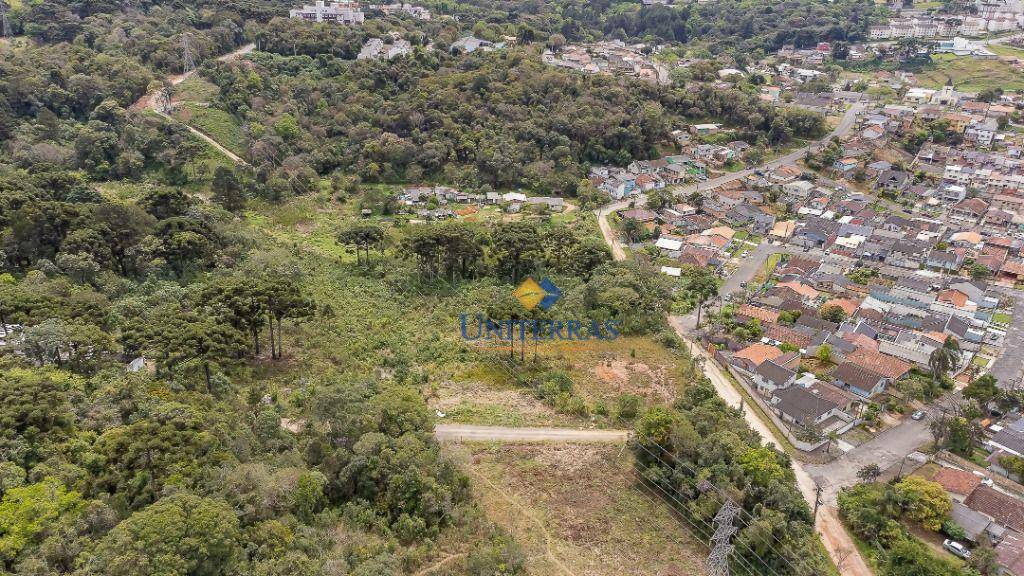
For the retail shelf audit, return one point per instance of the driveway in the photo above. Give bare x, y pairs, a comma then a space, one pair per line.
886, 450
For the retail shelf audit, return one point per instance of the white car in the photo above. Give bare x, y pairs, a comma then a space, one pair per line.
957, 549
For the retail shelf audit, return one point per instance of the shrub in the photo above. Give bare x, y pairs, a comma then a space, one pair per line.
629, 406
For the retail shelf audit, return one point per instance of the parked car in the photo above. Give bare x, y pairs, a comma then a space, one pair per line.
956, 548
919, 415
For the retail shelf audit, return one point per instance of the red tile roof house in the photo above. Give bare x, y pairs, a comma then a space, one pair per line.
640, 215
749, 358
1012, 271
786, 335
882, 364
746, 312
1005, 509
959, 483
797, 290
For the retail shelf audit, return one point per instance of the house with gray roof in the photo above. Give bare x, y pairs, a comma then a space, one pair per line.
770, 377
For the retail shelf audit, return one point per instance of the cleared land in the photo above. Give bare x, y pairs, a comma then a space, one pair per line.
575, 510
971, 74
191, 106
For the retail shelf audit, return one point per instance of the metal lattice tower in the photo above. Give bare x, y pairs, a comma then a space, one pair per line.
717, 563
5, 25
186, 53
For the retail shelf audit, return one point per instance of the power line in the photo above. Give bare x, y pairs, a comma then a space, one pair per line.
732, 510
707, 487
710, 530
749, 517
707, 528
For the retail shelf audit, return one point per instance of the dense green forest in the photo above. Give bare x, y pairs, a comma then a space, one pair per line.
500, 120
734, 26
279, 423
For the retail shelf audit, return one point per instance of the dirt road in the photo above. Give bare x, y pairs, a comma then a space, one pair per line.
467, 432
153, 101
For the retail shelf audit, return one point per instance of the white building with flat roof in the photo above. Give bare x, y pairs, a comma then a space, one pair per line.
340, 12
398, 8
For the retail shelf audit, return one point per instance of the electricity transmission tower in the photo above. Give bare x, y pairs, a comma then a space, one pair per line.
5, 26
186, 53
717, 563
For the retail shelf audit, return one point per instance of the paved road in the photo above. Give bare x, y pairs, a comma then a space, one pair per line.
886, 450
466, 432
155, 102
834, 535
1009, 366
841, 129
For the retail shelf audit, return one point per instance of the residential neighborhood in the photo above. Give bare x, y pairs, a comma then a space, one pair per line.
867, 287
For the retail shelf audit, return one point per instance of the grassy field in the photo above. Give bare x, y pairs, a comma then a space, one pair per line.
1004, 50
971, 74
191, 99
216, 124
468, 383
575, 510
195, 89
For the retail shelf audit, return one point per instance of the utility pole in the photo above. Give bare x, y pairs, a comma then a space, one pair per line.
186, 53
717, 563
900, 473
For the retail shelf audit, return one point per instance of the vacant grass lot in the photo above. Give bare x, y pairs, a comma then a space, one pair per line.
468, 383
216, 124
576, 510
971, 74
191, 106
1005, 50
